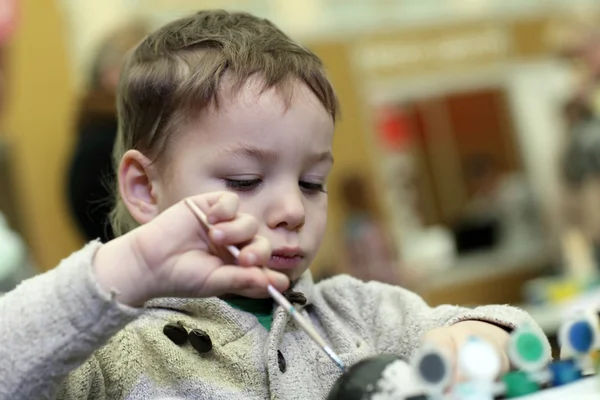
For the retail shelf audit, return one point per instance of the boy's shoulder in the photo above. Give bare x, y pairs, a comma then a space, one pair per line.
339, 285
350, 290
338, 282
345, 282
346, 291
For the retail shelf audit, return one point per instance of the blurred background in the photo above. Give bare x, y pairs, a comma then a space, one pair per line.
467, 155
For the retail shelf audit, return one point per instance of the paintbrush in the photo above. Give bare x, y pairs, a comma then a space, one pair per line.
278, 297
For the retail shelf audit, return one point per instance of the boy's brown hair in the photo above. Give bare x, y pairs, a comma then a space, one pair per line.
176, 72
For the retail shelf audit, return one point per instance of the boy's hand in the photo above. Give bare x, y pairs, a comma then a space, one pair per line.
174, 255
451, 338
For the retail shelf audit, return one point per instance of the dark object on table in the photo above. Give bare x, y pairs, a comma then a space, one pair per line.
359, 382
476, 234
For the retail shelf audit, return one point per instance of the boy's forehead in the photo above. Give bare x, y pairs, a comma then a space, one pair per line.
251, 113
254, 92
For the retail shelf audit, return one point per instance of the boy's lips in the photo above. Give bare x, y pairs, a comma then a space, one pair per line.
286, 258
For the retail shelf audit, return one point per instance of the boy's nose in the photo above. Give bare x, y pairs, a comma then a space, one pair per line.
287, 211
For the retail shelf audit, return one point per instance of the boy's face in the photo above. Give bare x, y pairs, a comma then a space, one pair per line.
276, 159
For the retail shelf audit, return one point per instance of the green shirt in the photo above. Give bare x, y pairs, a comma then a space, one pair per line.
262, 309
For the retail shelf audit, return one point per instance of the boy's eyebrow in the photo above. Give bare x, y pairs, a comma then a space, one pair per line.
325, 156
248, 151
266, 154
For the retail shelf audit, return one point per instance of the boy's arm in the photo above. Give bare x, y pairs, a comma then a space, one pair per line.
52, 323
396, 319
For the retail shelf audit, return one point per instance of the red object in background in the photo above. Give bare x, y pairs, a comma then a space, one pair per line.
8, 19
393, 128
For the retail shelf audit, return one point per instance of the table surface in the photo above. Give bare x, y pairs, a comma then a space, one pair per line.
534, 255
585, 389
550, 316
546, 316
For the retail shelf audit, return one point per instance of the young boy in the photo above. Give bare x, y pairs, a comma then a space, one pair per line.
228, 111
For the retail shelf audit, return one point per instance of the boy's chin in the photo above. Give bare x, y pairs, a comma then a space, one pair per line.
294, 274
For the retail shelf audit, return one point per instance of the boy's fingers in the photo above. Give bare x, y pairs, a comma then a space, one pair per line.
279, 281
256, 253
206, 201
240, 230
224, 209
250, 281
232, 279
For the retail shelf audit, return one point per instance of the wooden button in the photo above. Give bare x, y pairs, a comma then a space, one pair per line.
176, 332
295, 297
200, 341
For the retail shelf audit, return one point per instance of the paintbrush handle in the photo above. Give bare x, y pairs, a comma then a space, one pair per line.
202, 217
278, 297
304, 324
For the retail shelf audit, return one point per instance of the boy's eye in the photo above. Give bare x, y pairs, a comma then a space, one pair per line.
312, 187
242, 185
248, 185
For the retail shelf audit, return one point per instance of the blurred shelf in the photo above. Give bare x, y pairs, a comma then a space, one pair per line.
486, 265
495, 277
551, 316
548, 317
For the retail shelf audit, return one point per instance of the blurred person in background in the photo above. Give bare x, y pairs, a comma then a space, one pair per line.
584, 52
580, 162
367, 250
581, 176
90, 174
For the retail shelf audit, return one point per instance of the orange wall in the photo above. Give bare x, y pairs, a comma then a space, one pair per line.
37, 125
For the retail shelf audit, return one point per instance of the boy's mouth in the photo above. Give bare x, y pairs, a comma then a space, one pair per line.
286, 258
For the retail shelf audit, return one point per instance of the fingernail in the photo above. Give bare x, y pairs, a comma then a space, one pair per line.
218, 235
251, 259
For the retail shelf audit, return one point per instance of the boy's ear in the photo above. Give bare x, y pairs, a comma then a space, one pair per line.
137, 186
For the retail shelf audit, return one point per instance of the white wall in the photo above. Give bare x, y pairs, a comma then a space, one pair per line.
89, 21
537, 93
